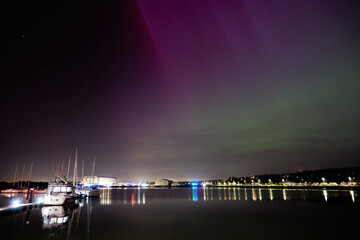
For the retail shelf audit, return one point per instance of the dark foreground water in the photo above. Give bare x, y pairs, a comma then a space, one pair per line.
193, 213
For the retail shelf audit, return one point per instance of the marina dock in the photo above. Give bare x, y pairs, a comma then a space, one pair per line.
19, 208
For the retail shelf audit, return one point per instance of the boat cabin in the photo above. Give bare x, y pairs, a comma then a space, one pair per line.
57, 188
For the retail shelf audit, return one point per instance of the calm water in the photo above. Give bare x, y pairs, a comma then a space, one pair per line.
193, 213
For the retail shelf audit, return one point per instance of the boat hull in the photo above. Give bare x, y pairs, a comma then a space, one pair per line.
89, 193
93, 193
58, 200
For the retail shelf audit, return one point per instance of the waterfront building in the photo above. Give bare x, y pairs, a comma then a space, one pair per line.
100, 180
163, 183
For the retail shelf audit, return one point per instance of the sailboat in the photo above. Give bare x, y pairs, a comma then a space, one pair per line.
19, 182
90, 190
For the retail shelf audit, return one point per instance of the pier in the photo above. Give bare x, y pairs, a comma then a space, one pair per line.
19, 208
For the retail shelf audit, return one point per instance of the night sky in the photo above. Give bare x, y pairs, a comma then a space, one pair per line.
180, 89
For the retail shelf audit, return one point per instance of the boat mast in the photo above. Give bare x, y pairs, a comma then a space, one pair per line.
75, 167
53, 170
68, 170
93, 170
29, 176
82, 171
15, 174
93, 167
58, 168
22, 176
62, 167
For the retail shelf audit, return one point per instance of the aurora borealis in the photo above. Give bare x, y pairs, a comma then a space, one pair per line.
181, 89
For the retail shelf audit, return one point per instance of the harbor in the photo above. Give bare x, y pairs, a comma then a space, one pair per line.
91, 207
119, 212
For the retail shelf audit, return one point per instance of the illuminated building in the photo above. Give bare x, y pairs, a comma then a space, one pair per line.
99, 180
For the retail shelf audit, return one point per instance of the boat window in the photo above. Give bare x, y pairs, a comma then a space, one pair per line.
69, 189
63, 189
56, 189
50, 189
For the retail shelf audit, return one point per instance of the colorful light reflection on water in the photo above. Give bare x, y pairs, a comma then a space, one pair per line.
122, 213
194, 194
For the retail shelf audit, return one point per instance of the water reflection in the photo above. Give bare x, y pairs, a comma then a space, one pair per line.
132, 196
89, 218
20, 197
58, 220
261, 194
284, 195
105, 196
137, 196
254, 196
194, 194
352, 196
325, 193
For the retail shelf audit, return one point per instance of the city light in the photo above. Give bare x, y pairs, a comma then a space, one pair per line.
194, 184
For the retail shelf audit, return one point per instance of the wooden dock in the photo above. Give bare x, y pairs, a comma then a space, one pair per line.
19, 208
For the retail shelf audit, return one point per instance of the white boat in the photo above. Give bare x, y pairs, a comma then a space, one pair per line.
59, 193
89, 191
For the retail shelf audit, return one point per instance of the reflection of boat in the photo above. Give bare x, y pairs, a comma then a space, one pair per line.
58, 218
54, 215
59, 193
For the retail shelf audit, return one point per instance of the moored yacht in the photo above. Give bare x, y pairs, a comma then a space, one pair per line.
59, 192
